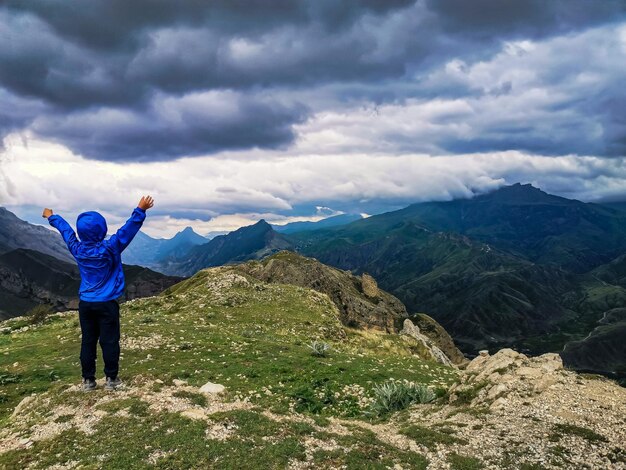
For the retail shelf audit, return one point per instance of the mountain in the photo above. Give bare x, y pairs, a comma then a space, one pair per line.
29, 278
603, 350
334, 221
225, 371
251, 242
515, 267
484, 297
17, 233
525, 221
149, 252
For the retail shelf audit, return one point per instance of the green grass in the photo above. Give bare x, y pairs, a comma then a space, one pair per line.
460, 462
196, 398
467, 395
248, 343
134, 406
431, 437
571, 429
252, 338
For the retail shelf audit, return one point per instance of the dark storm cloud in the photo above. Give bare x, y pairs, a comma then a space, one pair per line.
138, 80
484, 19
191, 125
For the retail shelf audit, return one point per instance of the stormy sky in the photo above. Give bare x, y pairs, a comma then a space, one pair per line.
231, 110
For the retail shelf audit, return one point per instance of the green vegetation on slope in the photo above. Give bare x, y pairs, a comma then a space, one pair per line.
217, 326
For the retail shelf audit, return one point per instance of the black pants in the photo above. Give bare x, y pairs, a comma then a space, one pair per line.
100, 321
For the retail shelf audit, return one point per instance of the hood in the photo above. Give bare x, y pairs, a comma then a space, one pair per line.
91, 227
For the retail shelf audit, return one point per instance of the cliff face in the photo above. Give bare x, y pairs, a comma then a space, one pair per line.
603, 351
16, 233
29, 278
439, 336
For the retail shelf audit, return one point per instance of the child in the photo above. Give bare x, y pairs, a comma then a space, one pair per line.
102, 282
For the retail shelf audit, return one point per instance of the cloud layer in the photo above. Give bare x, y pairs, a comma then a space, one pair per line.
150, 80
232, 110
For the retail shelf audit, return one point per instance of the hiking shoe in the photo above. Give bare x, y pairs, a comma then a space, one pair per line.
89, 385
112, 384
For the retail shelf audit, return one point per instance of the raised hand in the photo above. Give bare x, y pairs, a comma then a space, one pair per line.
145, 203
46, 213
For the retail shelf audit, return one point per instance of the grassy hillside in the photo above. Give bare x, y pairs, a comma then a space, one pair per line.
218, 326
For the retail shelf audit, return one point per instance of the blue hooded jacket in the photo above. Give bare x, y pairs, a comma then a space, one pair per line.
99, 260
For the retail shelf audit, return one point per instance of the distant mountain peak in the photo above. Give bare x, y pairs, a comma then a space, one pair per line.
522, 193
188, 233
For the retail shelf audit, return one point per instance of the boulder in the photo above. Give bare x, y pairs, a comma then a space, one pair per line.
508, 373
413, 331
369, 286
211, 388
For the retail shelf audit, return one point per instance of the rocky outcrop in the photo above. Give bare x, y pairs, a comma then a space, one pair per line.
369, 286
412, 331
513, 411
491, 380
439, 337
360, 303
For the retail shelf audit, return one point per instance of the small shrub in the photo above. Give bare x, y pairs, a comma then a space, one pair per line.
146, 320
314, 397
394, 396
53, 376
467, 395
461, 462
319, 348
431, 437
185, 346
195, 398
39, 313
8, 378
585, 433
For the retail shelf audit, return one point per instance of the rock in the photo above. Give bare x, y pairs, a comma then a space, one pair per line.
496, 390
529, 372
499, 404
483, 353
409, 329
194, 413
487, 365
544, 383
210, 388
369, 286
22, 405
509, 373
179, 383
438, 336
